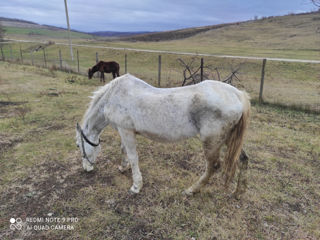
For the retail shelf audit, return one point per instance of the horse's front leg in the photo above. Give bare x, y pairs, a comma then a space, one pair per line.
129, 141
125, 165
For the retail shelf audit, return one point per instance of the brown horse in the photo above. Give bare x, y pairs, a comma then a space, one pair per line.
105, 67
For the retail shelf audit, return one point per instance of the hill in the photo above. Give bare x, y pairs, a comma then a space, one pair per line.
290, 36
291, 21
15, 26
116, 34
18, 28
176, 34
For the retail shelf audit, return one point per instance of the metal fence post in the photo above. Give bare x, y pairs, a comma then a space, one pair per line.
44, 58
11, 58
201, 70
60, 59
2, 54
159, 71
125, 63
21, 58
262, 80
78, 61
31, 53
97, 60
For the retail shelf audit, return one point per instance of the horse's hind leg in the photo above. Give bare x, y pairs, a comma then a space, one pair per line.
212, 164
129, 142
242, 178
102, 77
114, 75
125, 165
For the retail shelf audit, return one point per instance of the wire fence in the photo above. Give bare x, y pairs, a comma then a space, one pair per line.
287, 83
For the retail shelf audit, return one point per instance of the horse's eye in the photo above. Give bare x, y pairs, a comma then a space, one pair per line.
78, 146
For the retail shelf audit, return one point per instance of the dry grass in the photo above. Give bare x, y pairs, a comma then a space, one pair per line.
40, 173
285, 83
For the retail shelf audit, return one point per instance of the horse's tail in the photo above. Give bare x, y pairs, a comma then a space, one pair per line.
235, 140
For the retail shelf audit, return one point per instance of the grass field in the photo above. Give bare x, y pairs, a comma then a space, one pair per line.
287, 84
43, 34
291, 36
41, 173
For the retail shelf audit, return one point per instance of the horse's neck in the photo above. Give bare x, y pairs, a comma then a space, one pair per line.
96, 68
94, 123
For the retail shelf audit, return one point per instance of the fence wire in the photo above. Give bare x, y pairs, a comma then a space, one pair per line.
285, 83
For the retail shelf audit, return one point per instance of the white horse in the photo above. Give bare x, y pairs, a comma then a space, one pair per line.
217, 112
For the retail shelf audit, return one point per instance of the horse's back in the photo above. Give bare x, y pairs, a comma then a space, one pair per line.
108, 67
177, 112
209, 93
222, 95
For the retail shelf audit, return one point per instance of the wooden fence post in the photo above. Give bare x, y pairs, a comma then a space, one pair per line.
159, 71
78, 61
60, 59
201, 70
31, 53
2, 54
21, 58
262, 80
125, 63
44, 58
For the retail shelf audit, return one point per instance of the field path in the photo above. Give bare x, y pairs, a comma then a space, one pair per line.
178, 53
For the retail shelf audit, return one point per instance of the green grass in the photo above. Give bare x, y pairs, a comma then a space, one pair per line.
44, 33
41, 173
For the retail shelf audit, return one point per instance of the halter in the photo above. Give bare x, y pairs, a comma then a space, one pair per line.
84, 138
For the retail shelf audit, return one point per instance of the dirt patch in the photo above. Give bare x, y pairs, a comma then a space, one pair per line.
10, 109
46, 184
8, 103
7, 142
50, 180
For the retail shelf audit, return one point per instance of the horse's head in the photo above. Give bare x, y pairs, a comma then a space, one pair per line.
89, 150
90, 73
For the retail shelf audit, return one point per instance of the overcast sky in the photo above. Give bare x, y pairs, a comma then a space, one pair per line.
146, 15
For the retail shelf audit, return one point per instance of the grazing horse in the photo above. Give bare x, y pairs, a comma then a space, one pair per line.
216, 111
105, 67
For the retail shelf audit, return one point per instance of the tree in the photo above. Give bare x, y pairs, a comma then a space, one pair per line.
1, 32
316, 2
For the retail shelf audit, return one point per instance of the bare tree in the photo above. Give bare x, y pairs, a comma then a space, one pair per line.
316, 2
2, 31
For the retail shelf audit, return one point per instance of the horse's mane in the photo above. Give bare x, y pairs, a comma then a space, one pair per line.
102, 93
96, 67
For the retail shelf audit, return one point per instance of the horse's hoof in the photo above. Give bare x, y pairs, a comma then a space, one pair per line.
237, 195
123, 169
134, 190
188, 192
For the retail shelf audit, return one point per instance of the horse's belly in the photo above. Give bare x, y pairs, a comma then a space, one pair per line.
169, 133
